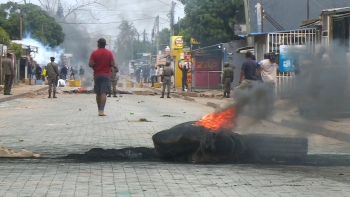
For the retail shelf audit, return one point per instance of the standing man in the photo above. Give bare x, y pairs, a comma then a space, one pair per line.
153, 75
227, 79
114, 81
52, 76
81, 72
101, 61
64, 71
9, 72
168, 72
185, 67
248, 72
38, 72
72, 73
30, 71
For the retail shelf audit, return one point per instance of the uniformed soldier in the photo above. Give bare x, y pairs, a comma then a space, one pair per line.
114, 81
8, 71
168, 72
52, 76
227, 79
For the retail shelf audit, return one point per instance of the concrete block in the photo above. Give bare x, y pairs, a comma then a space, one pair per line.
128, 85
214, 105
138, 85
120, 85
157, 85
190, 94
25, 80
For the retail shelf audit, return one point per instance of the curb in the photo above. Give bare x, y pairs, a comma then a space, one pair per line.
21, 95
175, 95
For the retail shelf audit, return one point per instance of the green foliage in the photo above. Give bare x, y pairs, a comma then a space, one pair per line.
4, 37
34, 21
164, 38
209, 21
17, 48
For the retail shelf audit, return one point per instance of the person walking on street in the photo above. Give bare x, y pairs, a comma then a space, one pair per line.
185, 67
101, 61
81, 72
168, 72
9, 72
64, 72
248, 72
72, 73
153, 74
52, 76
114, 81
38, 72
227, 79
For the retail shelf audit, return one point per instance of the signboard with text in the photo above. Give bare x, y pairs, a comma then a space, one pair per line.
207, 71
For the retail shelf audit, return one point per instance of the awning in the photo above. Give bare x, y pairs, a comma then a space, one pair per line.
247, 48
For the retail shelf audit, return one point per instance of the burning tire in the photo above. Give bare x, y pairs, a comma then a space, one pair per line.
188, 142
277, 147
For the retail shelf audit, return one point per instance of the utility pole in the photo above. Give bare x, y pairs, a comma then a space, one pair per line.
247, 21
172, 20
20, 23
157, 41
42, 29
144, 35
308, 9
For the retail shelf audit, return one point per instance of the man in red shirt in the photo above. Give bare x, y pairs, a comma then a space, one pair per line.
101, 61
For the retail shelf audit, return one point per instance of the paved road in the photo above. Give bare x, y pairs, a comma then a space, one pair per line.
70, 125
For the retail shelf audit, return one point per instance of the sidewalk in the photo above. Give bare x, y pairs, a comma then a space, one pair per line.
21, 90
285, 114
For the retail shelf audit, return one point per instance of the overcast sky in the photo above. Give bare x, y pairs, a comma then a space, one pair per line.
141, 12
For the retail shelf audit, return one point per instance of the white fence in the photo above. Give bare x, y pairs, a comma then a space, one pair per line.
285, 84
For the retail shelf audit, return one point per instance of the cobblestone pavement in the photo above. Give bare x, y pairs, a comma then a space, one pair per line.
70, 124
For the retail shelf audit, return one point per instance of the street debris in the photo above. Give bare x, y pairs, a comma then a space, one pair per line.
140, 120
20, 140
24, 153
167, 115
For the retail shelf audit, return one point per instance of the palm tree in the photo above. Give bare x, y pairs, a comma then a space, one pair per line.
126, 37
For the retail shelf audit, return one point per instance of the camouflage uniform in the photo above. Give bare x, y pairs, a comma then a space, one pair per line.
114, 81
227, 79
8, 72
167, 74
52, 74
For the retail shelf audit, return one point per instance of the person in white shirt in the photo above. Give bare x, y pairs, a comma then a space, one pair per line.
160, 73
185, 68
61, 83
268, 70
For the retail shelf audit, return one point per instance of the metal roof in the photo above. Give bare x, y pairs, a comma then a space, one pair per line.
336, 10
274, 32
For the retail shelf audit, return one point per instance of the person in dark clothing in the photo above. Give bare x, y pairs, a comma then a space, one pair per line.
146, 73
72, 73
248, 72
38, 72
64, 72
81, 72
185, 67
137, 73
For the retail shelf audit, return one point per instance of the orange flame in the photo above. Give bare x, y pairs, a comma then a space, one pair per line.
219, 120
81, 89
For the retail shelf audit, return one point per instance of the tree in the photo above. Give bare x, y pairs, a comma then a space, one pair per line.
36, 22
4, 37
164, 38
72, 9
59, 12
125, 41
210, 21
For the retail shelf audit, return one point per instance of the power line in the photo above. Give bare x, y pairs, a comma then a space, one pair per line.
79, 23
